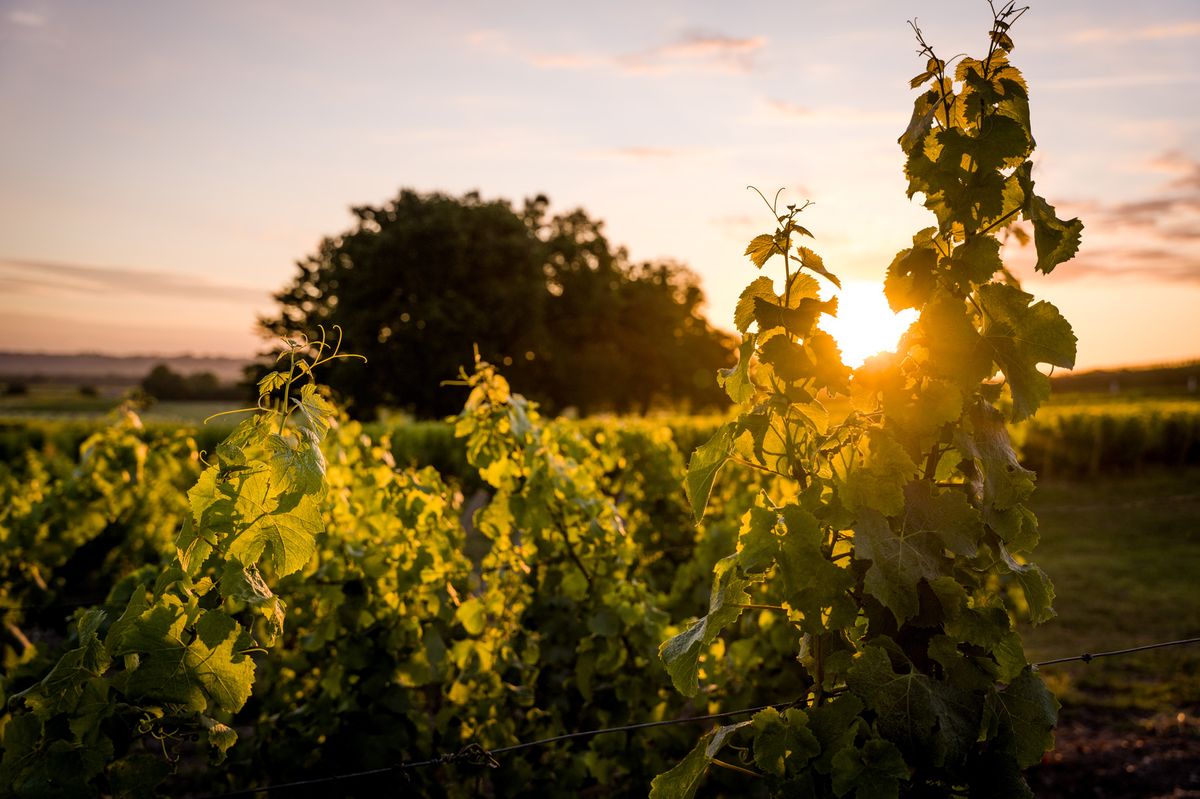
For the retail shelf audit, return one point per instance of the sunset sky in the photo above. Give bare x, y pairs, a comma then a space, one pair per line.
163, 165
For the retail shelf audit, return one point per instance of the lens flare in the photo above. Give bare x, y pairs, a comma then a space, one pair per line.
865, 325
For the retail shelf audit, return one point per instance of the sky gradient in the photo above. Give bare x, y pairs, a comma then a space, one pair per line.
163, 165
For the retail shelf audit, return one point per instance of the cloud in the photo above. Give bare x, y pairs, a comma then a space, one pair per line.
1120, 81
641, 153
24, 276
774, 111
26, 19
1152, 33
1155, 236
700, 52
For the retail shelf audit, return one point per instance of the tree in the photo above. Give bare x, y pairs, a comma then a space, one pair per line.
417, 283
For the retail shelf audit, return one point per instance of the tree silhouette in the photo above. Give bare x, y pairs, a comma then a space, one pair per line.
420, 281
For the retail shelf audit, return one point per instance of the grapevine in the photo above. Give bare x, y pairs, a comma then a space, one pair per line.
894, 541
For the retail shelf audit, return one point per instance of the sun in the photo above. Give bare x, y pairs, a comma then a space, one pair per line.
864, 324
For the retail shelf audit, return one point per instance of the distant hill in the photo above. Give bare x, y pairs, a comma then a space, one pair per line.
1181, 378
111, 369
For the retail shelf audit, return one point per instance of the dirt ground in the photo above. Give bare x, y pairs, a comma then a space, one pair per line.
1102, 752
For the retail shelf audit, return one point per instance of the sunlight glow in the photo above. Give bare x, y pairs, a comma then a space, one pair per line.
865, 325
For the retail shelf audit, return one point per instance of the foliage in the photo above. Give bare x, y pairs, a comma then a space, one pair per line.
892, 541
164, 383
177, 659
417, 283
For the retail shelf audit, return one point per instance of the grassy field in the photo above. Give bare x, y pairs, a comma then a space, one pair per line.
1124, 554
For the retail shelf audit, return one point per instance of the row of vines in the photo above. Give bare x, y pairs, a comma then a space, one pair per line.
290, 604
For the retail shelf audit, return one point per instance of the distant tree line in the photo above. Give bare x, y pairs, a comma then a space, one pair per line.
164, 383
419, 281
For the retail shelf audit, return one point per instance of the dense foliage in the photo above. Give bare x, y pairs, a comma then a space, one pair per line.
420, 281
892, 543
294, 604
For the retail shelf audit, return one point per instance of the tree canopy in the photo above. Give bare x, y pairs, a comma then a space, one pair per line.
417, 283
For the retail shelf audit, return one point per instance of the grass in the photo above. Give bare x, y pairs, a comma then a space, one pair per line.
1124, 554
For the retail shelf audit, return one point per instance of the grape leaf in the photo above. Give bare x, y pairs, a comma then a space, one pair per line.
912, 710
736, 380
1056, 240
286, 525
810, 260
783, 740
996, 478
899, 561
872, 772
910, 279
1022, 717
209, 671
878, 483
703, 466
1021, 336
761, 287
681, 654
811, 583
763, 246
682, 781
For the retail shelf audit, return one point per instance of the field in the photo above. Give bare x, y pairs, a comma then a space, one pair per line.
1113, 538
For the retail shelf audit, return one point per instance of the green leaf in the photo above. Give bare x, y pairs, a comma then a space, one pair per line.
787, 358
955, 351
682, 781
1021, 336
296, 465
681, 654
783, 742
836, 725
763, 246
913, 711
761, 287
947, 515
61, 690
872, 772
220, 736
736, 380
1056, 240
285, 525
1038, 590
246, 584
472, 614
271, 382
208, 672
975, 261
878, 483
1022, 718
996, 477
810, 260
811, 583
798, 320
899, 561
703, 466
925, 107
313, 413
911, 277
757, 546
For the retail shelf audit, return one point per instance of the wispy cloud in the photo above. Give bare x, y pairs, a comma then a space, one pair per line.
18, 276
1155, 236
26, 19
1120, 81
772, 110
1189, 29
641, 153
699, 52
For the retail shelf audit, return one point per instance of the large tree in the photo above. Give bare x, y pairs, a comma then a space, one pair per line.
419, 282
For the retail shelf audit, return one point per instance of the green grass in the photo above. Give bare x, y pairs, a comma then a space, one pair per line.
1124, 555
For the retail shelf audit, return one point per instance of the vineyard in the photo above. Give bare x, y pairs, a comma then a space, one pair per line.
828, 591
